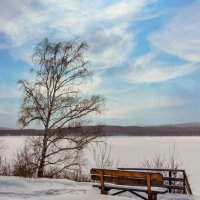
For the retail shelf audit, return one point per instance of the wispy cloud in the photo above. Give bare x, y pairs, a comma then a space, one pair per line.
8, 91
113, 30
179, 38
91, 86
106, 46
121, 9
148, 68
131, 105
104, 26
18, 22
180, 35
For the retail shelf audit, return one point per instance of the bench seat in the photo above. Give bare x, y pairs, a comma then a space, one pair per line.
148, 183
110, 186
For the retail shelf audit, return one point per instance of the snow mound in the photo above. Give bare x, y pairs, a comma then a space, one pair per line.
61, 189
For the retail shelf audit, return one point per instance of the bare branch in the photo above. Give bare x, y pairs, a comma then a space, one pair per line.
54, 101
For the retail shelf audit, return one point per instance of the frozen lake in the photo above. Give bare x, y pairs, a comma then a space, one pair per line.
131, 151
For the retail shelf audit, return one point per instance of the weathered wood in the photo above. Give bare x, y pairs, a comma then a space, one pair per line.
148, 178
178, 184
116, 193
102, 183
109, 186
187, 183
152, 169
127, 180
173, 179
170, 182
175, 187
154, 197
138, 195
184, 183
156, 176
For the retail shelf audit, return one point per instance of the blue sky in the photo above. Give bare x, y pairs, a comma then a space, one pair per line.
145, 54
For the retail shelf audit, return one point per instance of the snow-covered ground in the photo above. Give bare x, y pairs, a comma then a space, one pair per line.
131, 151
14, 188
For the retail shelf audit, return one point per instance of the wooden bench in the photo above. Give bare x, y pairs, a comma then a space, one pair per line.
174, 179
131, 181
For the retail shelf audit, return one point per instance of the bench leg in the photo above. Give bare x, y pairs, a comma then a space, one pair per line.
154, 196
138, 195
104, 191
150, 196
116, 193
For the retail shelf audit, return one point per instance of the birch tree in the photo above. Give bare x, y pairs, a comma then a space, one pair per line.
54, 100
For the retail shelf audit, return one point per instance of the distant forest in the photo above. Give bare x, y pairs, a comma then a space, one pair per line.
167, 130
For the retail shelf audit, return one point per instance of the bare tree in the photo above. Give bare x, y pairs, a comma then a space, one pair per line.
5, 167
158, 162
102, 155
55, 101
161, 162
23, 163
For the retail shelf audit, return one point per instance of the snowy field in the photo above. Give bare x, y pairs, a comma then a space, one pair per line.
131, 151
14, 188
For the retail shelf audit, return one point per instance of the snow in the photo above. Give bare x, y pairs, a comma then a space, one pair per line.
136, 188
15, 188
24, 188
130, 151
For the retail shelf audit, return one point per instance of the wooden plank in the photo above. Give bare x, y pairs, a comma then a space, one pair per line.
116, 193
131, 181
149, 187
178, 187
173, 179
153, 169
170, 182
102, 183
128, 181
137, 194
184, 184
187, 183
133, 188
157, 176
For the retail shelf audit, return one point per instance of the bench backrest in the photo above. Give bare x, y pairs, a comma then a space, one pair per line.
120, 177
175, 180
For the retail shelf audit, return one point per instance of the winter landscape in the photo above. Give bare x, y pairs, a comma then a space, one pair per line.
99, 99
124, 154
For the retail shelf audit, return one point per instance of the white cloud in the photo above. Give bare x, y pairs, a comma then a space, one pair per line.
105, 26
180, 35
130, 104
180, 38
8, 91
158, 74
110, 47
19, 23
91, 86
149, 68
124, 8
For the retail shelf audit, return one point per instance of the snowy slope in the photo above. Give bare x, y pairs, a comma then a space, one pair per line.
14, 188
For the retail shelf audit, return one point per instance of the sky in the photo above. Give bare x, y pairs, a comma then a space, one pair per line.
145, 55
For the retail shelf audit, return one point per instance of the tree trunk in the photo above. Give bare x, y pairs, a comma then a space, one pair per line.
40, 172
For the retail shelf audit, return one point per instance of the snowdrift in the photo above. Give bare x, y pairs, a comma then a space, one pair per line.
61, 189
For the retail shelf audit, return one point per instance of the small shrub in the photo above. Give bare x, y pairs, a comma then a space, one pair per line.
5, 167
160, 161
102, 156
23, 164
